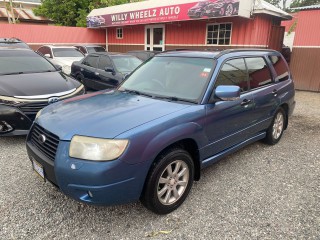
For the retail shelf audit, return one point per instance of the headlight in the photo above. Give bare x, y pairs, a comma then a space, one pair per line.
38, 113
96, 149
8, 100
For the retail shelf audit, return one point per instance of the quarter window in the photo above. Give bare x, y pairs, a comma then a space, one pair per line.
280, 67
234, 72
259, 73
119, 33
91, 61
219, 34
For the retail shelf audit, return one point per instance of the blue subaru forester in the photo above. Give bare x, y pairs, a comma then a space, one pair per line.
176, 114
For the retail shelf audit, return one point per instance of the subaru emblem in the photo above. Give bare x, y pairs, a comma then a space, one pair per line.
42, 138
53, 100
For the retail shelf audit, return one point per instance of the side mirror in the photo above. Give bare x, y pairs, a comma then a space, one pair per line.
227, 93
58, 67
47, 55
110, 70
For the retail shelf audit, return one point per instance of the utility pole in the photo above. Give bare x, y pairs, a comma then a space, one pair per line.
10, 11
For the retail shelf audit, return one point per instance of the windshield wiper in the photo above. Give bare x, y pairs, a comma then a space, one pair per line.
137, 92
176, 99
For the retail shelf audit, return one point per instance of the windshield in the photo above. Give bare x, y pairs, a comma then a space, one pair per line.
173, 77
95, 49
24, 64
66, 52
126, 64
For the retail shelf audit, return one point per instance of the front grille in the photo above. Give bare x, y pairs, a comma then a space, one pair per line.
32, 108
49, 146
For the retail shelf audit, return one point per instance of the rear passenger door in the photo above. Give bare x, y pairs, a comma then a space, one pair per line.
264, 91
227, 122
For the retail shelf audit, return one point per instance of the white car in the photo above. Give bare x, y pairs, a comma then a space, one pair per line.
63, 56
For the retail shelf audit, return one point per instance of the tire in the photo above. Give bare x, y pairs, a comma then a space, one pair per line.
275, 130
162, 192
228, 10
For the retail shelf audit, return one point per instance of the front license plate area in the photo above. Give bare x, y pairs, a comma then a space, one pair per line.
38, 168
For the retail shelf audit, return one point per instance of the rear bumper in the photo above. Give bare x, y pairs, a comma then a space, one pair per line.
16, 122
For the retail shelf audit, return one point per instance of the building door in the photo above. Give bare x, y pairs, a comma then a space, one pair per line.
154, 38
276, 38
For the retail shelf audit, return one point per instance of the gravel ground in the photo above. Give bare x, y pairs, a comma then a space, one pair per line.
260, 192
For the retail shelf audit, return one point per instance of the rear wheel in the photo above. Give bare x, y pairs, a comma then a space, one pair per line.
275, 131
169, 181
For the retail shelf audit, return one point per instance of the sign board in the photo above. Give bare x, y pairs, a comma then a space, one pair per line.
202, 9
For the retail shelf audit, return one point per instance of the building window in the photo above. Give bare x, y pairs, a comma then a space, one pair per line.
119, 33
219, 34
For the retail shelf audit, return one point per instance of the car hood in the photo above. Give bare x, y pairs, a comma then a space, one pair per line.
33, 84
66, 60
103, 114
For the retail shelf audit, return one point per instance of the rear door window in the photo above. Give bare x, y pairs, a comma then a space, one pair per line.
280, 67
234, 72
258, 71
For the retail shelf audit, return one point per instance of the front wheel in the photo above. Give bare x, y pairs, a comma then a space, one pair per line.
275, 131
169, 182
229, 10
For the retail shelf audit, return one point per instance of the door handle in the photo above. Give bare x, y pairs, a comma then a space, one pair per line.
245, 102
275, 92
96, 73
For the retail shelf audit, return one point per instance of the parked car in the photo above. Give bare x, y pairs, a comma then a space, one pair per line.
29, 82
63, 56
221, 8
95, 21
13, 42
104, 70
143, 55
176, 114
86, 49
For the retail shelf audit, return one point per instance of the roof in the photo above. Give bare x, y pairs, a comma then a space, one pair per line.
312, 7
29, 2
215, 54
267, 8
22, 14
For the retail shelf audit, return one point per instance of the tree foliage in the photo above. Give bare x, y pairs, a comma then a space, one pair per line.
302, 3
72, 12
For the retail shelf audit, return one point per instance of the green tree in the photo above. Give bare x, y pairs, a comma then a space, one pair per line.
302, 3
279, 3
72, 12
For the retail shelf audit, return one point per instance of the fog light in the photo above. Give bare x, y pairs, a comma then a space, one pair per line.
90, 194
5, 127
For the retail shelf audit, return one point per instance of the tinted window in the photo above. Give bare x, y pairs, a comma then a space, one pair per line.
104, 62
12, 62
233, 72
280, 68
95, 49
66, 52
91, 61
259, 72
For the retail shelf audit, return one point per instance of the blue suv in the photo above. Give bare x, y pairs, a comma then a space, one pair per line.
176, 114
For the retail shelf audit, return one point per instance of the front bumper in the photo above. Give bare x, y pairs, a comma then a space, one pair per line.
100, 183
19, 122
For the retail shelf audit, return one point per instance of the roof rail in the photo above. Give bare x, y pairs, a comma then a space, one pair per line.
223, 52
